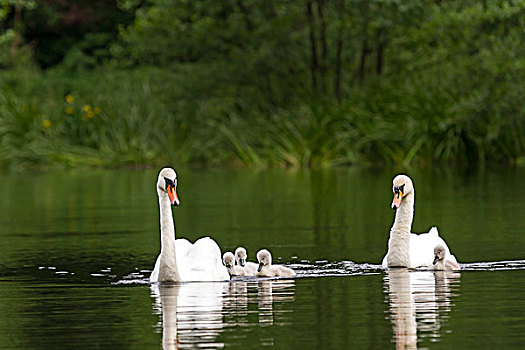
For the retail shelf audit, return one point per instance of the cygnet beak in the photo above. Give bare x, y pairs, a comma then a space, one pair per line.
436, 259
261, 264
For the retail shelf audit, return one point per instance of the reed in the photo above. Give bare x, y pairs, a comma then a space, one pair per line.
148, 117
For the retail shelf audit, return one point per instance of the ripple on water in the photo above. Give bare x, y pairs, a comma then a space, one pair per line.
495, 265
304, 269
336, 268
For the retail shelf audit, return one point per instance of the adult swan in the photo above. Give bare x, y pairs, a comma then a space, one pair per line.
179, 260
407, 249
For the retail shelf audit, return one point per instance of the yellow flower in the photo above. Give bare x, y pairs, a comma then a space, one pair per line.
87, 108
69, 110
46, 123
97, 110
70, 99
90, 115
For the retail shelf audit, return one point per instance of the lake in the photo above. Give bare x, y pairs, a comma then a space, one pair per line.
78, 247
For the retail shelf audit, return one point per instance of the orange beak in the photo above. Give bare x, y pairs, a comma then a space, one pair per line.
398, 196
172, 194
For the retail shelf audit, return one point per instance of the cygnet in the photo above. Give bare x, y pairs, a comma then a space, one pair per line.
229, 261
443, 262
250, 268
266, 269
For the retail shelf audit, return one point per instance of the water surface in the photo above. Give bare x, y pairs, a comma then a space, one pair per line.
78, 246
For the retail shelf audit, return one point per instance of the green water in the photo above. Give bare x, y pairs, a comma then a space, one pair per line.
77, 248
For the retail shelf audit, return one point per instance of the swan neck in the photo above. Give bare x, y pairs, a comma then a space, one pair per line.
404, 216
399, 242
167, 227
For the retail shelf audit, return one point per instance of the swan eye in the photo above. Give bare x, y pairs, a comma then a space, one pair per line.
169, 183
400, 188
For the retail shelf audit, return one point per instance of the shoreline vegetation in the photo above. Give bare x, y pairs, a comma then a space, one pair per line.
312, 84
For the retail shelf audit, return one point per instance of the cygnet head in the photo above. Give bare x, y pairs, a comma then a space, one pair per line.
439, 253
402, 187
240, 256
167, 185
264, 258
228, 259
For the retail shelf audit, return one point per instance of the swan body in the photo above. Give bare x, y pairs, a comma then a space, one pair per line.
266, 269
442, 261
406, 249
179, 260
249, 268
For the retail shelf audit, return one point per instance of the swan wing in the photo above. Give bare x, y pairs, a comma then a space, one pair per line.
201, 261
422, 248
182, 246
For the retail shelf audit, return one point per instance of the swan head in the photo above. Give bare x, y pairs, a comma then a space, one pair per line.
402, 187
439, 253
264, 258
167, 185
228, 259
240, 256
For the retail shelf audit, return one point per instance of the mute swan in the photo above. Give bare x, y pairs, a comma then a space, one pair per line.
250, 269
407, 249
228, 260
180, 260
442, 261
266, 269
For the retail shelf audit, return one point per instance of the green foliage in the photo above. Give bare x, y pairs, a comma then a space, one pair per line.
312, 83
6, 41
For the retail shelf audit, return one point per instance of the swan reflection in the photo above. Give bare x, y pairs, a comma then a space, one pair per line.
419, 303
195, 314
191, 312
